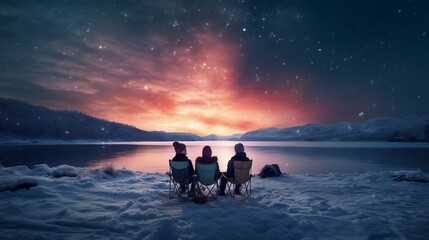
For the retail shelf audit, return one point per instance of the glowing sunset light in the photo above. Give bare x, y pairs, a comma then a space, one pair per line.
191, 89
215, 67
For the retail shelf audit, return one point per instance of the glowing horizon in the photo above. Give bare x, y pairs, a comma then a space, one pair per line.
198, 92
193, 88
221, 67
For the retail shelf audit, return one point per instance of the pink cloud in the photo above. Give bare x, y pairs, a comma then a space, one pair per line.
159, 85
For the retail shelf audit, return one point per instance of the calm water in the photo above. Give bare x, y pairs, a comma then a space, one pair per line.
292, 157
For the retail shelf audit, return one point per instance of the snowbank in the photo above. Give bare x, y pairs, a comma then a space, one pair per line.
81, 203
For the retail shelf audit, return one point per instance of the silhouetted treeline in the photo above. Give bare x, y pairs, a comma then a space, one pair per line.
25, 121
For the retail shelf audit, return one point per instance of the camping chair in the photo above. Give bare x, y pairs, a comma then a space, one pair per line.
206, 177
178, 176
242, 176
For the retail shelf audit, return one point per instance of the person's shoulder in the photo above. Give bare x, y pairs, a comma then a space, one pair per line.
212, 159
240, 157
206, 160
180, 157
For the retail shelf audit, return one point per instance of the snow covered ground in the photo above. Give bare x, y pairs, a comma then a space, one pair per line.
83, 203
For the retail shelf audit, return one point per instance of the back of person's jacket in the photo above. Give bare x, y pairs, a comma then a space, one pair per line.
237, 157
206, 160
182, 158
209, 160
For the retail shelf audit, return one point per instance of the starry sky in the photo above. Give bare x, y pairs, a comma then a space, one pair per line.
219, 67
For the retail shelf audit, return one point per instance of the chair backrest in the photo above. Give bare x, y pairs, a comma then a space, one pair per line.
179, 171
206, 173
242, 171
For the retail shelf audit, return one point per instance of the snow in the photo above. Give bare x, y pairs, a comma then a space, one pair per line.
105, 203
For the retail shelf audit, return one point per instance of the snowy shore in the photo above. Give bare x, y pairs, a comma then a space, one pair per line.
66, 202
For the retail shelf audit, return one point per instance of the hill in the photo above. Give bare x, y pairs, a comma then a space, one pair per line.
412, 128
24, 121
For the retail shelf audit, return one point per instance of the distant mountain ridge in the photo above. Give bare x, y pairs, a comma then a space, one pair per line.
23, 121
412, 128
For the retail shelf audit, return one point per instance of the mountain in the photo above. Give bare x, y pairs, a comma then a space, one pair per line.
21, 120
213, 137
412, 128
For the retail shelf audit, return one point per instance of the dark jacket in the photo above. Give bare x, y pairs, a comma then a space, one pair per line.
209, 160
181, 158
237, 157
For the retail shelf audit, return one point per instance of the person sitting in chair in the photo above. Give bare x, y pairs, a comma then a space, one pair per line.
240, 155
207, 158
181, 152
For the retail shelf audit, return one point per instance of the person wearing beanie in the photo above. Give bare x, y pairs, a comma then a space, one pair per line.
239, 148
180, 149
207, 158
207, 151
240, 155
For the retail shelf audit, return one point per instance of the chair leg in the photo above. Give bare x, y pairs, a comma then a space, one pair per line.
213, 190
175, 190
187, 191
169, 189
229, 186
217, 190
250, 187
172, 189
178, 190
247, 188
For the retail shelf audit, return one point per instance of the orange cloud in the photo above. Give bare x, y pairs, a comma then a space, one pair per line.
160, 85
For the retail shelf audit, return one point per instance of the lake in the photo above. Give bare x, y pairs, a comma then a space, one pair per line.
292, 157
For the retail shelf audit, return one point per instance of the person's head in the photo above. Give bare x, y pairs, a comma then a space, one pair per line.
179, 147
239, 148
207, 151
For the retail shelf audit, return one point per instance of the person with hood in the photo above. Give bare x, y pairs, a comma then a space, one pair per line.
207, 158
180, 156
240, 155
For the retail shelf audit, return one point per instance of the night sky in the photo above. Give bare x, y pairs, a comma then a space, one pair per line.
219, 67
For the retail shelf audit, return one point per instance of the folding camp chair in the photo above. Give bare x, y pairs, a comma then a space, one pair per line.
206, 177
178, 176
242, 177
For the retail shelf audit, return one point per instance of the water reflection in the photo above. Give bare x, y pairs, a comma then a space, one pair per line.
78, 155
154, 158
343, 160
292, 157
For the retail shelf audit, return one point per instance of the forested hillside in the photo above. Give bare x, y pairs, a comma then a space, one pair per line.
25, 121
